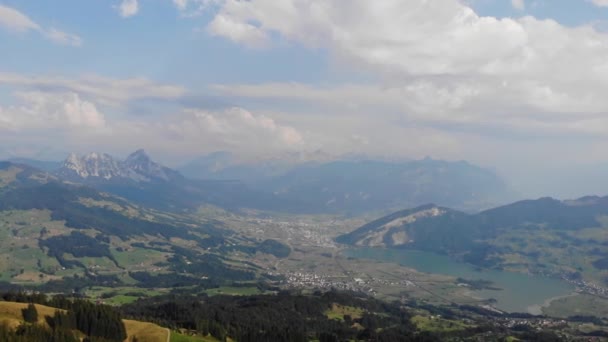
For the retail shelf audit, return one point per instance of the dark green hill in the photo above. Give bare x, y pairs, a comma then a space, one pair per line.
425, 227
421, 222
564, 238
64, 236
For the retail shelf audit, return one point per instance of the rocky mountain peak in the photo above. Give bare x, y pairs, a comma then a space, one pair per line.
98, 165
138, 156
140, 163
72, 158
101, 166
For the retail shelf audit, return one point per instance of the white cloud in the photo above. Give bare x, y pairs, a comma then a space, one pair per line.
599, 3
416, 37
181, 4
69, 121
104, 90
128, 8
13, 20
516, 107
234, 126
519, 4
62, 38
245, 32
44, 111
436, 61
192, 132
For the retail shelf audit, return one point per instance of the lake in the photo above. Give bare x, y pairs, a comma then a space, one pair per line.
520, 292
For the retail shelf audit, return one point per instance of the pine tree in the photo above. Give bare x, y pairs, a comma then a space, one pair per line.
30, 314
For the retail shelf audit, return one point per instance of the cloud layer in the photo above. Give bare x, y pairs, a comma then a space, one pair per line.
44, 111
436, 61
104, 90
599, 3
94, 111
15, 21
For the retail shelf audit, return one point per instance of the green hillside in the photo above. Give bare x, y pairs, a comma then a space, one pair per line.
56, 236
560, 238
11, 317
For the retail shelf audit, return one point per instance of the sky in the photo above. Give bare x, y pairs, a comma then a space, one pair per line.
515, 85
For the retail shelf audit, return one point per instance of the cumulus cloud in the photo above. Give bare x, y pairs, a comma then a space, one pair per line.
68, 121
62, 38
13, 20
518, 4
106, 91
245, 32
599, 3
416, 37
436, 61
235, 127
191, 132
128, 8
518, 106
180, 4
39, 110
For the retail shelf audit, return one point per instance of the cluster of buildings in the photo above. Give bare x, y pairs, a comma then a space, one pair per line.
540, 323
317, 281
298, 232
590, 288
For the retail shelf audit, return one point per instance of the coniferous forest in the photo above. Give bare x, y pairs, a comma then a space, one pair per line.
72, 319
287, 316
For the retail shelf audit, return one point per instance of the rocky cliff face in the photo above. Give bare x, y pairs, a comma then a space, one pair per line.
92, 165
137, 167
140, 164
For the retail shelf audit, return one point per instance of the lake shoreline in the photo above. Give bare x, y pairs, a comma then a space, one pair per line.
520, 292
537, 309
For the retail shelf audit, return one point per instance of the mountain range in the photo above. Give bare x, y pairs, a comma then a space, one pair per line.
358, 184
312, 183
141, 180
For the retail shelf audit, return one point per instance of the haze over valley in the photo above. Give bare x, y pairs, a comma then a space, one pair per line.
303, 170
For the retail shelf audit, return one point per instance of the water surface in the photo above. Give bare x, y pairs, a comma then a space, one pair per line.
520, 292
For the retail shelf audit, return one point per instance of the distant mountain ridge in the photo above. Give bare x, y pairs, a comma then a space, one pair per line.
137, 167
44, 165
431, 222
222, 165
140, 179
299, 183
565, 239
358, 184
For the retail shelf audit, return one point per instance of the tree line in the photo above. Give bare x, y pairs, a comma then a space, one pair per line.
99, 323
282, 317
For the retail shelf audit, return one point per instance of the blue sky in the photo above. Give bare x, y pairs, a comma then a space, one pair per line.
163, 44
567, 12
158, 42
496, 82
